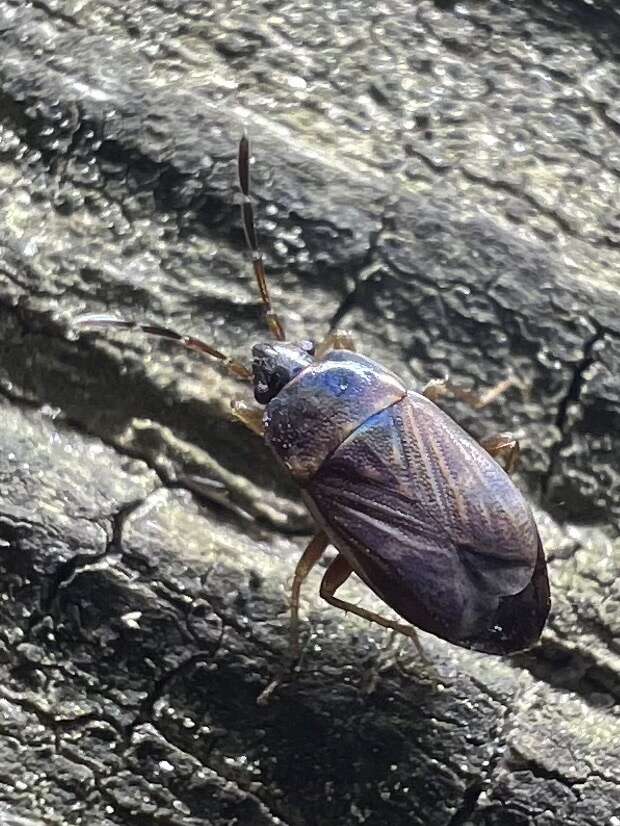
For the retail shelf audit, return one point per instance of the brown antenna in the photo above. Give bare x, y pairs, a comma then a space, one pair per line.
249, 227
233, 366
236, 368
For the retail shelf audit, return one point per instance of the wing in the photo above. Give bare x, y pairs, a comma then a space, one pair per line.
435, 527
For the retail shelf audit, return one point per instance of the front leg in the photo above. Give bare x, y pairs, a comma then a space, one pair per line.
251, 415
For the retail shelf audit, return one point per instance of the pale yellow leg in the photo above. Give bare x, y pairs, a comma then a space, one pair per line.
505, 446
337, 573
438, 388
308, 560
338, 340
250, 415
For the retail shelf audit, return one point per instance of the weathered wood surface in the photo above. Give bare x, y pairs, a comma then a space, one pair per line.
441, 179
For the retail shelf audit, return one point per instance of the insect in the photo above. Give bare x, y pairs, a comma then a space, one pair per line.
420, 511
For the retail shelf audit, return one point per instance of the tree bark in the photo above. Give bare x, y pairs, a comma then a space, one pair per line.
439, 178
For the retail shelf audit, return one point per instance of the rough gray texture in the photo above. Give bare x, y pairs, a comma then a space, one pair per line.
442, 179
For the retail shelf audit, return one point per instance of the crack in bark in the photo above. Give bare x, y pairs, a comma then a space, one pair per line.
571, 397
177, 482
364, 271
541, 772
68, 570
56, 13
469, 804
230, 782
483, 782
145, 712
504, 186
369, 267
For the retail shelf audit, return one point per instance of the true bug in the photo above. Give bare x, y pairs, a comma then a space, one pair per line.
418, 509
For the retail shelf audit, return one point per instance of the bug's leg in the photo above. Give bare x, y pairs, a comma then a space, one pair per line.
504, 446
337, 573
338, 340
438, 388
249, 415
309, 558
249, 229
234, 367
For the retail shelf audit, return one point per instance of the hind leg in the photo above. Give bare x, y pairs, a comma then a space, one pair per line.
313, 552
335, 576
503, 446
308, 560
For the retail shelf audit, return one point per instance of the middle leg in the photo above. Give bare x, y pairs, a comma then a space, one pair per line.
438, 388
505, 446
338, 340
501, 445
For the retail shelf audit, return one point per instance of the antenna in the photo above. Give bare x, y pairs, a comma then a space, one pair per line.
249, 228
233, 366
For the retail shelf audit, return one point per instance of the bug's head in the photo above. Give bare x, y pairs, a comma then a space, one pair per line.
274, 364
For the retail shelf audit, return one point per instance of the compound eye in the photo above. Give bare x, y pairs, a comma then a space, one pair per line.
263, 350
262, 392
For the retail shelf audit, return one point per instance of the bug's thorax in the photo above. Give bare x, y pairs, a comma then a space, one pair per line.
324, 402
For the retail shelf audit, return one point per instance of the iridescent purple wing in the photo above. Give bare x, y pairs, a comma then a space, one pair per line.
435, 527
